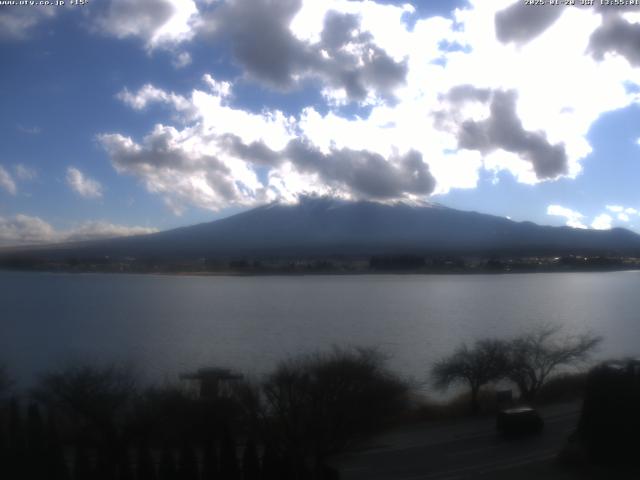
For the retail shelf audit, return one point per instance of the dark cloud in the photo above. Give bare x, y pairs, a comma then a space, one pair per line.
618, 36
163, 165
464, 93
255, 152
503, 130
265, 47
363, 173
449, 119
338, 29
160, 150
519, 23
261, 40
372, 69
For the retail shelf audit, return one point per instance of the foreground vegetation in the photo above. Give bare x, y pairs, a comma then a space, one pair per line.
97, 423
527, 361
100, 422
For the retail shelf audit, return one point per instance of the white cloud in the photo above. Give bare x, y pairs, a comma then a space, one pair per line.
148, 94
621, 209
181, 60
219, 88
602, 222
29, 230
94, 230
622, 213
6, 181
25, 173
159, 23
17, 22
35, 130
83, 185
574, 219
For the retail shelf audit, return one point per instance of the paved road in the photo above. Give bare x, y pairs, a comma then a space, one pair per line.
467, 449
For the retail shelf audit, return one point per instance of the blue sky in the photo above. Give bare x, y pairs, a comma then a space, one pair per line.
121, 117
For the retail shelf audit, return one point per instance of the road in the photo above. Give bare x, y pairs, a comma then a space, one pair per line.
466, 449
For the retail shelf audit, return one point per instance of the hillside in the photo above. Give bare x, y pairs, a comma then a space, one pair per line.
322, 227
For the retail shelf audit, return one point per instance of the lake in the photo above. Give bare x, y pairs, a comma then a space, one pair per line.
169, 324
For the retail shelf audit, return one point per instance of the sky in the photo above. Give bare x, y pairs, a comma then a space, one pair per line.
121, 117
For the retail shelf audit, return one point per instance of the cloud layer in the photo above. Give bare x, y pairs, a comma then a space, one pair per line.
447, 98
412, 106
30, 230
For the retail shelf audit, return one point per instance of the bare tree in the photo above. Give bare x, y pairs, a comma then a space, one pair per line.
483, 363
534, 356
320, 404
90, 396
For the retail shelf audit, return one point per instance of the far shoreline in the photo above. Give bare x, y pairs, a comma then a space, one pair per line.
336, 273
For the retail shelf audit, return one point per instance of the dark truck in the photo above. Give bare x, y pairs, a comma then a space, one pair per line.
521, 420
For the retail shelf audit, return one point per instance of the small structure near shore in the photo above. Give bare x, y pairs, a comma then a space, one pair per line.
212, 382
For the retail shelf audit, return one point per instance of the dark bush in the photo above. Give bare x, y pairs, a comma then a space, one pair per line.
250, 461
321, 404
610, 420
562, 388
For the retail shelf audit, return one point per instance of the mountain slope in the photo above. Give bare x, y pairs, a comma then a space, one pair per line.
322, 227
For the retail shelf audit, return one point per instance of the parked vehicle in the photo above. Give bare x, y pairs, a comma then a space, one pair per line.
519, 421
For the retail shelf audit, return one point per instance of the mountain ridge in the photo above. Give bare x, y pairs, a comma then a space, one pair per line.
323, 227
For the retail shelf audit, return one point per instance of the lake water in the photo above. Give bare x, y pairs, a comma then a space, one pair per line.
168, 324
